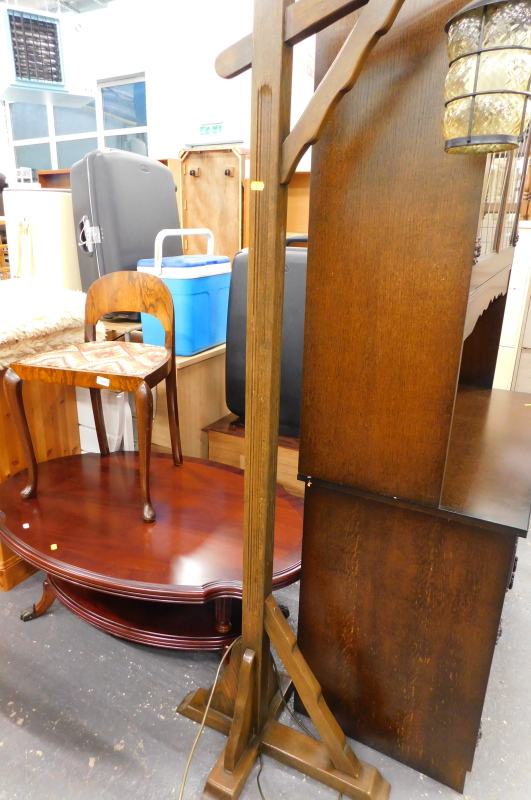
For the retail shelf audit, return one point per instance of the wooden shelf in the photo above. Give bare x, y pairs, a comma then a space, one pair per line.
229, 425
487, 475
54, 178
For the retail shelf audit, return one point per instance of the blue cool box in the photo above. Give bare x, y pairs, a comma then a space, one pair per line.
199, 286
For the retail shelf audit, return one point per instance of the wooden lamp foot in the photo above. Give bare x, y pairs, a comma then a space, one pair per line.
42, 606
330, 761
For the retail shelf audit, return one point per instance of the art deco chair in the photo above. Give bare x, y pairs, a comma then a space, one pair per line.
118, 366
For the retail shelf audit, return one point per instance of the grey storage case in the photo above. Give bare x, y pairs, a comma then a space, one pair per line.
121, 201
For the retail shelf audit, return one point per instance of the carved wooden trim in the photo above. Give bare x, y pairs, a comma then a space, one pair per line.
303, 19
340, 78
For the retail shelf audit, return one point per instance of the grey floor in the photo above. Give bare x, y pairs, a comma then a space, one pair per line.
84, 715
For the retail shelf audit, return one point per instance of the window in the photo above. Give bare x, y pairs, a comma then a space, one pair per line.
502, 194
72, 150
124, 106
29, 121
55, 137
75, 120
132, 142
123, 109
36, 156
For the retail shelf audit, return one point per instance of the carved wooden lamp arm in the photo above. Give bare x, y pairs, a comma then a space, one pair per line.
340, 78
303, 19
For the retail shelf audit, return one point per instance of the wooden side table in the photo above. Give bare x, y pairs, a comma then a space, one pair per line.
175, 582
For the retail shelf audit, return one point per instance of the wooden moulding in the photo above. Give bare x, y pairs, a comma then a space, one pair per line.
52, 417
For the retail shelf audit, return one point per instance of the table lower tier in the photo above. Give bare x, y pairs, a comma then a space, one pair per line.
178, 626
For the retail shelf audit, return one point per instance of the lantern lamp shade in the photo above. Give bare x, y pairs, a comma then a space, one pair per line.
487, 88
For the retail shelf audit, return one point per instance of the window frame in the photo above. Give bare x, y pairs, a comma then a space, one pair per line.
108, 83
100, 133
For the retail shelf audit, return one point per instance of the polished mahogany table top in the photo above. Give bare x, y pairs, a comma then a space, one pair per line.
84, 526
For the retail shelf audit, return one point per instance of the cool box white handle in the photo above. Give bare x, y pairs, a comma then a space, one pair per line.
161, 235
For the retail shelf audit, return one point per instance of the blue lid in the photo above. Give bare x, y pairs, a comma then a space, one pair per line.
185, 261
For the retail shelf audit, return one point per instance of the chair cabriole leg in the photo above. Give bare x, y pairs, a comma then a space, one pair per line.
99, 420
144, 417
13, 390
173, 416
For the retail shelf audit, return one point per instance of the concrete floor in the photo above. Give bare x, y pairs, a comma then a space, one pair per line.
85, 716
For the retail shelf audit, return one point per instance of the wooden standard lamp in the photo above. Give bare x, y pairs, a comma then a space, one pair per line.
247, 700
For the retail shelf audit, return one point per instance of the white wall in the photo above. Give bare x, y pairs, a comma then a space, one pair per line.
115, 40
176, 44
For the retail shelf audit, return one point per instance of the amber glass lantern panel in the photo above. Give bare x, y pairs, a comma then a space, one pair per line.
487, 91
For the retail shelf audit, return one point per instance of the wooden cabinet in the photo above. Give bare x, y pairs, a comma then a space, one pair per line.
52, 417
54, 178
414, 499
214, 191
211, 196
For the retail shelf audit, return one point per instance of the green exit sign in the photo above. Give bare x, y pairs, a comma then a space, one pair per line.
212, 129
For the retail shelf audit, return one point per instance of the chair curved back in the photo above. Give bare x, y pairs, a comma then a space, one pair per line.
130, 291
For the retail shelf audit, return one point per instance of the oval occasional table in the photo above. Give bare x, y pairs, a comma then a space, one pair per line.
175, 582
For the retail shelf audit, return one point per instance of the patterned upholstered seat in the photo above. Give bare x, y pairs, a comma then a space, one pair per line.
116, 358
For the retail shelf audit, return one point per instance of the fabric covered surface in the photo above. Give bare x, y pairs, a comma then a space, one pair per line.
36, 317
116, 358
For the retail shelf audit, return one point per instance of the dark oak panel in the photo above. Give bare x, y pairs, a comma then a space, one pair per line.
401, 629
488, 474
393, 222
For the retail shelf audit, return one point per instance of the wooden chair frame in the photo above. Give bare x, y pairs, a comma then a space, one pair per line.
118, 291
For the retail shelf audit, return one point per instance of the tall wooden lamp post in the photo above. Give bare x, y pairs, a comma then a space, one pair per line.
246, 702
